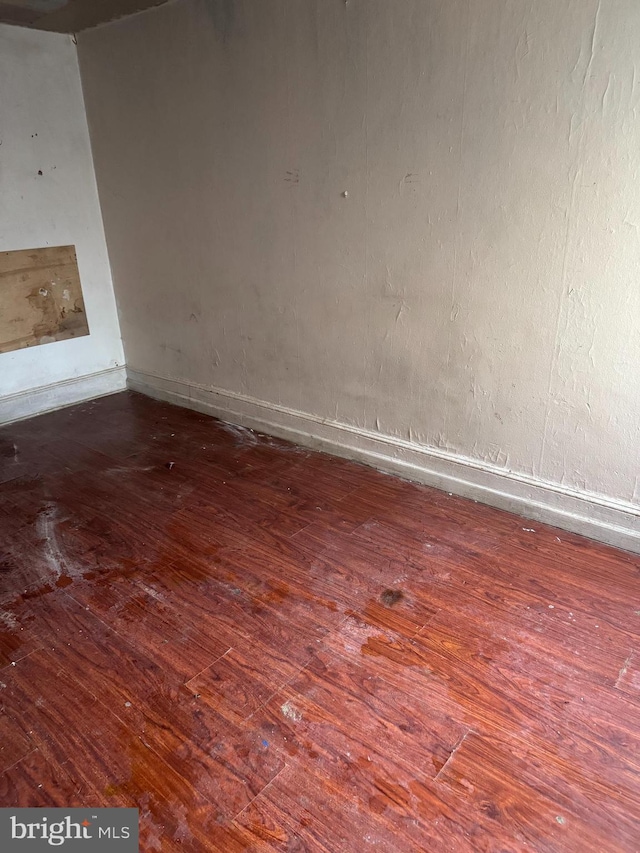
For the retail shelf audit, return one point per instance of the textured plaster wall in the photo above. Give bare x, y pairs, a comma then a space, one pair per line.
478, 287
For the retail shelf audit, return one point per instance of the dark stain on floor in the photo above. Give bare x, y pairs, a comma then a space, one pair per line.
391, 596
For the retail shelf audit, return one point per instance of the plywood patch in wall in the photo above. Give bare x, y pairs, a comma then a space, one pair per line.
40, 297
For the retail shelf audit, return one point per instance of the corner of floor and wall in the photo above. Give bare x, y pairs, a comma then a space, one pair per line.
403, 233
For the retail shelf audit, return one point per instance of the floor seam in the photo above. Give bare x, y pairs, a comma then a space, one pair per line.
8, 666
279, 690
260, 792
623, 671
208, 666
20, 760
451, 755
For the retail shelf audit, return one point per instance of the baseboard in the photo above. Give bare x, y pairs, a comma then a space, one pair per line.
46, 398
613, 522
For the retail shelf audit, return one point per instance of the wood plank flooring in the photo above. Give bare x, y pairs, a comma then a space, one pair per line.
268, 649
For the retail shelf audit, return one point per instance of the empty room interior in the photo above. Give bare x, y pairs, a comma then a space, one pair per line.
320, 425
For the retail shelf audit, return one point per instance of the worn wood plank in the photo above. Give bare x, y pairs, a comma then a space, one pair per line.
265, 648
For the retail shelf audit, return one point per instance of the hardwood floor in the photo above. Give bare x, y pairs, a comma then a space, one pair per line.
265, 648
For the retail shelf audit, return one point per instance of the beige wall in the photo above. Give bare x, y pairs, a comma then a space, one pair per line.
477, 291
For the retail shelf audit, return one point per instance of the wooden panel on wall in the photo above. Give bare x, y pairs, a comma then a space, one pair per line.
40, 297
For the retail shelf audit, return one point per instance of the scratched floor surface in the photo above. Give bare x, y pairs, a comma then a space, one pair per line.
265, 648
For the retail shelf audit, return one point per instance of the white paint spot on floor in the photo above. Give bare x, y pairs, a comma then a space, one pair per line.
242, 434
56, 561
290, 711
8, 621
153, 593
182, 832
129, 469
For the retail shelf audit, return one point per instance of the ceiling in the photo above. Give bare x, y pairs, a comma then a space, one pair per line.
68, 16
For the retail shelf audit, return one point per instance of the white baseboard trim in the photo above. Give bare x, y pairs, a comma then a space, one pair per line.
46, 398
611, 521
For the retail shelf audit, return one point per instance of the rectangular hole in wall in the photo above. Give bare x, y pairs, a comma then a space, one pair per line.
40, 297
